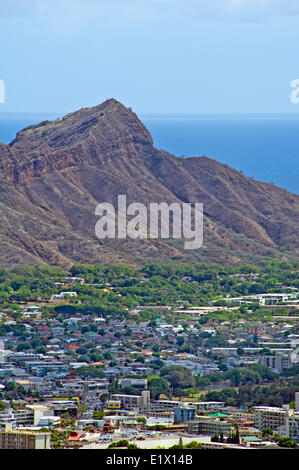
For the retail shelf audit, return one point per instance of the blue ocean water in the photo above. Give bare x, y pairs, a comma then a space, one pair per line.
265, 147
11, 123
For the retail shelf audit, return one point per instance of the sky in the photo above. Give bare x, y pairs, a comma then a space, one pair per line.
156, 56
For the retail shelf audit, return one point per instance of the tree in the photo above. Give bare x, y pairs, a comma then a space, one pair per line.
180, 445
123, 443
243, 310
234, 376
89, 371
23, 293
158, 386
41, 350
266, 432
286, 442
178, 376
98, 414
113, 387
23, 346
141, 420
192, 391
130, 390
193, 445
104, 397
180, 340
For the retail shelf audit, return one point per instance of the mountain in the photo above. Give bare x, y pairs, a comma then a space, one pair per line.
53, 175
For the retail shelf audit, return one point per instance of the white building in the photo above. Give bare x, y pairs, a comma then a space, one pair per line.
63, 295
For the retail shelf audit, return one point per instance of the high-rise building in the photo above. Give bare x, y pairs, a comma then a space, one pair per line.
271, 417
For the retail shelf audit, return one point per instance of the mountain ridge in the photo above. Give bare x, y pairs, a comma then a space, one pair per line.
53, 175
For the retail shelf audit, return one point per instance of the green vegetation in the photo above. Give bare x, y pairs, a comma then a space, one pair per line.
151, 285
130, 336
178, 377
275, 394
122, 443
284, 441
89, 371
189, 445
159, 385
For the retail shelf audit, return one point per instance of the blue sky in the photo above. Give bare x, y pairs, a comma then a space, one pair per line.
156, 56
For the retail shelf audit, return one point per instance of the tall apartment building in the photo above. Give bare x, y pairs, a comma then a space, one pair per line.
292, 427
24, 440
271, 417
284, 421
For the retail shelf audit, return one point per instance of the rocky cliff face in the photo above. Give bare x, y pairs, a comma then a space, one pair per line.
53, 175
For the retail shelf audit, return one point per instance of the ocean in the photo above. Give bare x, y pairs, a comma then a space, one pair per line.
265, 147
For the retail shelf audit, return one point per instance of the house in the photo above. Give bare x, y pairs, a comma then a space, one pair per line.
63, 295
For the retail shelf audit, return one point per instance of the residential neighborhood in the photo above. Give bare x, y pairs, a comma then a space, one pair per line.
89, 359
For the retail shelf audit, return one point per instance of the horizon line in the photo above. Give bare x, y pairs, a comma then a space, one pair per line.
164, 114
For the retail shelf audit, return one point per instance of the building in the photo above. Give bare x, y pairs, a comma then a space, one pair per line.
278, 362
133, 401
63, 295
24, 439
297, 401
271, 417
182, 414
28, 385
48, 421
139, 384
32, 311
293, 426
114, 404
159, 406
210, 426
59, 407
38, 412
209, 405
23, 416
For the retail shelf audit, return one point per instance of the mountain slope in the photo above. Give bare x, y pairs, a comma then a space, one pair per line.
53, 175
